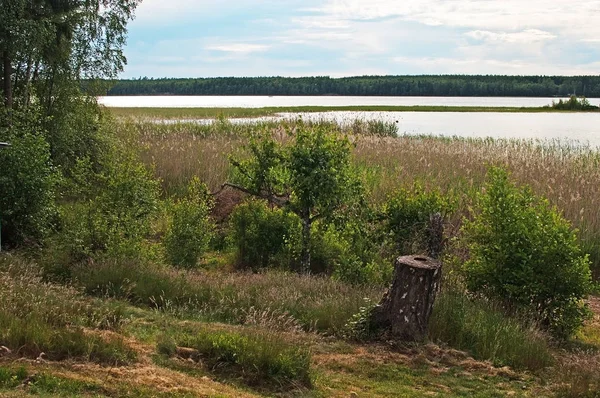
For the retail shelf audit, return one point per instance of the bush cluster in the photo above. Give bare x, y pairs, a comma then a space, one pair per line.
524, 253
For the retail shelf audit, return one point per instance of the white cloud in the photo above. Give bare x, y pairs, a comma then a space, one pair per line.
238, 48
525, 36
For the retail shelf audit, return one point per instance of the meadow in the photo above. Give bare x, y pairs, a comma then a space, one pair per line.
138, 326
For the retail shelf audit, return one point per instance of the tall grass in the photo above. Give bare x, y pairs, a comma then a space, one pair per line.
259, 358
38, 317
273, 299
567, 174
487, 333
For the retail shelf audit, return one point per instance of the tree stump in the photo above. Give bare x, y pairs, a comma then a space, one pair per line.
403, 313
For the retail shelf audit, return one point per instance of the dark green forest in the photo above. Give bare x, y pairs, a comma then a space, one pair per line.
425, 85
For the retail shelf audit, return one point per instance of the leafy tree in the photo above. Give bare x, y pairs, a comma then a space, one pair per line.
47, 49
524, 253
312, 176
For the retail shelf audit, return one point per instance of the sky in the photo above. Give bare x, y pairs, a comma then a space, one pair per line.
210, 38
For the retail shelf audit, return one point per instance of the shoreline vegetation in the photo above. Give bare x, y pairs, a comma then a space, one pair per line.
211, 113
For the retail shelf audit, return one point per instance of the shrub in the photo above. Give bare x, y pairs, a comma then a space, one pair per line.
574, 103
116, 212
347, 255
524, 252
257, 357
406, 216
27, 183
190, 230
262, 236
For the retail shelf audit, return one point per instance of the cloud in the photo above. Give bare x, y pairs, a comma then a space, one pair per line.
238, 48
342, 37
525, 36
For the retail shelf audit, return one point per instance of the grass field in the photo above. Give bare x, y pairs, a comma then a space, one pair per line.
122, 327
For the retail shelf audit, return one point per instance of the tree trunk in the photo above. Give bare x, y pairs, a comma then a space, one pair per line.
403, 313
8, 98
305, 256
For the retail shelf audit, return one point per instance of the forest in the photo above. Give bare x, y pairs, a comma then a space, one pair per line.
425, 85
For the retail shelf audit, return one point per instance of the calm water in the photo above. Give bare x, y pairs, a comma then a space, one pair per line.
264, 101
581, 127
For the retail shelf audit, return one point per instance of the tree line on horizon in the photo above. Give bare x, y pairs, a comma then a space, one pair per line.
424, 85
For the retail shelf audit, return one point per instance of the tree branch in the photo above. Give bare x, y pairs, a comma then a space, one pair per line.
280, 201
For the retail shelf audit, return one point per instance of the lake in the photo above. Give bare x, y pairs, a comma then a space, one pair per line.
287, 101
581, 127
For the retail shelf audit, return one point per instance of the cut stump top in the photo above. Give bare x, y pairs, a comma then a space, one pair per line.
423, 262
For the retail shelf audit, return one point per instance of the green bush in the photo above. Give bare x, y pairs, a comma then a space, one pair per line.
27, 184
347, 255
574, 103
406, 216
258, 358
190, 230
522, 251
262, 236
116, 213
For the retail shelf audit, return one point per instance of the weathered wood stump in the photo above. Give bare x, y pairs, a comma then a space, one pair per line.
403, 313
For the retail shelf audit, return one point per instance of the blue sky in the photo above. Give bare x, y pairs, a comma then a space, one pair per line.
187, 38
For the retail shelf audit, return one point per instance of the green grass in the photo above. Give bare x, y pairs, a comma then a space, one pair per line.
258, 358
475, 325
209, 113
36, 317
272, 299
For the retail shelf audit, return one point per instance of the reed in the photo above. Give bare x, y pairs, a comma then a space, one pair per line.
565, 173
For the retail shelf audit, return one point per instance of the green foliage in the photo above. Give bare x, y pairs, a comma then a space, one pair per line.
27, 183
320, 173
411, 85
574, 103
117, 214
406, 216
522, 251
257, 358
312, 176
359, 326
348, 254
263, 236
480, 327
190, 230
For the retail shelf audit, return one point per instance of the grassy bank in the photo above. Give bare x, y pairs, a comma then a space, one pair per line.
208, 113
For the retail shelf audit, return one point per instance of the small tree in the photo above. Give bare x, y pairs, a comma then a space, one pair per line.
312, 177
524, 253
